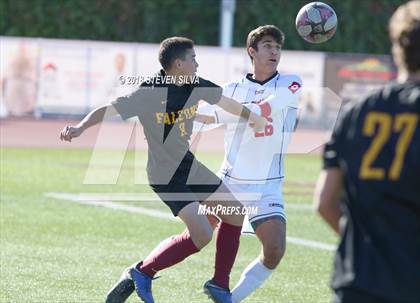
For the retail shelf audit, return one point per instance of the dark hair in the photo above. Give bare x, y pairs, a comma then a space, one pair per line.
173, 48
257, 34
404, 31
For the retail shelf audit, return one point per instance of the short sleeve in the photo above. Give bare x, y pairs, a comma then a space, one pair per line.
289, 90
132, 105
209, 91
333, 150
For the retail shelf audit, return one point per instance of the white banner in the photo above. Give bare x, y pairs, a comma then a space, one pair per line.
18, 76
63, 80
66, 77
108, 62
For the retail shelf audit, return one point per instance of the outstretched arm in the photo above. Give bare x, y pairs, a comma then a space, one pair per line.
221, 116
272, 105
205, 119
94, 117
237, 109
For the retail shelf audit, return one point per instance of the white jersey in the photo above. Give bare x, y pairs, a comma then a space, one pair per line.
258, 157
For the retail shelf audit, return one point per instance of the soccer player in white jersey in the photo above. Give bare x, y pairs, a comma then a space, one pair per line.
253, 161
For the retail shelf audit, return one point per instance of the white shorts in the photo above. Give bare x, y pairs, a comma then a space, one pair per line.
260, 200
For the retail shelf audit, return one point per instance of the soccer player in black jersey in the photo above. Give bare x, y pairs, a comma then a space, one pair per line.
165, 105
369, 189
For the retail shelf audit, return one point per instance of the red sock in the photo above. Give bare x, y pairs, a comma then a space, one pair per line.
227, 244
171, 253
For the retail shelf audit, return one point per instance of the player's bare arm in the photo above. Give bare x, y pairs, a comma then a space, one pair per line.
94, 117
205, 119
273, 103
327, 196
257, 122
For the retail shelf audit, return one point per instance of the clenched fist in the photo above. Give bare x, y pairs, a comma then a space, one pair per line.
70, 132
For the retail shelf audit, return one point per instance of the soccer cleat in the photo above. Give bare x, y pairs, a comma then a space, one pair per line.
122, 289
216, 293
143, 285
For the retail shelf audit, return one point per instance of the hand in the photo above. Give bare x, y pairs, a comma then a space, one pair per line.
70, 132
258, 122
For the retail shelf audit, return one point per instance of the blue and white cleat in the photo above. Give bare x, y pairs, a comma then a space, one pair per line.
143, 285
216, 293
122, 289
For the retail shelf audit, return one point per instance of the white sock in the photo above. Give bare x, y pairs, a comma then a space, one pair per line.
252, 278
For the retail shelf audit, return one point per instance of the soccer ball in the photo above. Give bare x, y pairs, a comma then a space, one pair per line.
316, 22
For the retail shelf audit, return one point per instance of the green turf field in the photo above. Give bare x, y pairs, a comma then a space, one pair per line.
59, 251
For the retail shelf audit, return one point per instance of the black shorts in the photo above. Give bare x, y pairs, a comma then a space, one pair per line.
187, 187
352, 295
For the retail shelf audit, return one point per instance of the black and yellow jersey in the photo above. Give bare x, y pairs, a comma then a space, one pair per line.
166, 112
376, 143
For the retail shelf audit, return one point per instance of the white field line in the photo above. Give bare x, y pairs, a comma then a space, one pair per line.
310, 243
113, 205
82, 199
150, 197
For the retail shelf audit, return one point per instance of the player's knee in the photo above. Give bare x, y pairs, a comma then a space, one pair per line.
273, 253
235, 219
213, 221
202, 238
238, 220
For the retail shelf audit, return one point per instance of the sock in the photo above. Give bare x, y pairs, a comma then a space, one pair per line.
169, 252
227, 244
252, 278
160, 246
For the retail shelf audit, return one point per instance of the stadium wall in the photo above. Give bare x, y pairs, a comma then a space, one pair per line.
68, 78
